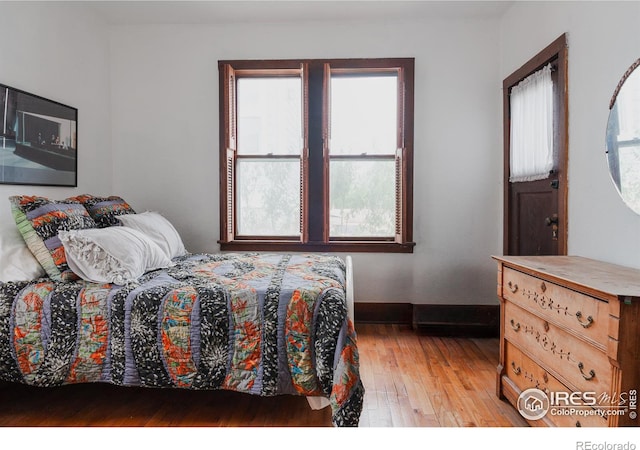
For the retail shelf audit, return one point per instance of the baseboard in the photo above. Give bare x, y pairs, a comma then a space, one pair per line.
458, 320
441, 320
400, 313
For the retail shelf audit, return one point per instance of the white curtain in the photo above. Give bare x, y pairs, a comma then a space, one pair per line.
531, 156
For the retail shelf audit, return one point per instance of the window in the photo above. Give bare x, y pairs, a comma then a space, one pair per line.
316, 155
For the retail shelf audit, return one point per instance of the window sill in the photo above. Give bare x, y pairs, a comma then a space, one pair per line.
330, 247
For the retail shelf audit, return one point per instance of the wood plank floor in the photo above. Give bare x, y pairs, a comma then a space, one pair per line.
426, 381
411, 380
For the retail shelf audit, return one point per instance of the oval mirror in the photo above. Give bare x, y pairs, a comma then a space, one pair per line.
623, 137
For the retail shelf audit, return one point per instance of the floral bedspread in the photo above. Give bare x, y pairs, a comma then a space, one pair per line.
255, 323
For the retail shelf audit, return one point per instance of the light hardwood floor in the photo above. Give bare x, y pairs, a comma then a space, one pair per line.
411, 380
427, 381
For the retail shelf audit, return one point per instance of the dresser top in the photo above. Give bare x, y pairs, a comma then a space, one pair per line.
579, 273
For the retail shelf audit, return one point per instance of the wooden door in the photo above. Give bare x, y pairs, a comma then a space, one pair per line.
535, 212
533, 218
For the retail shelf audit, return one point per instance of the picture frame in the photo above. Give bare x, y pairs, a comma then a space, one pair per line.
38, 140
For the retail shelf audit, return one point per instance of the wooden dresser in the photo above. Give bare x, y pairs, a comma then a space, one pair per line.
570, 327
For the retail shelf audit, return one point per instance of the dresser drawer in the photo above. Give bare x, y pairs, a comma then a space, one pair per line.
525, 374
573, 361
581, 314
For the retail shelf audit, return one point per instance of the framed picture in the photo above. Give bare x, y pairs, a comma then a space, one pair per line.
38, 140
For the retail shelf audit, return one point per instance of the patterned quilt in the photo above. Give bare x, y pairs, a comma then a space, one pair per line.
253, 323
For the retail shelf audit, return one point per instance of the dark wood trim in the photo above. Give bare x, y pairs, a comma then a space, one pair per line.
259, 73
442, 320
384, 64
304, 158
292, 157
399, 313
407, 152
318, 199
367, 157
538, 61
458, 320
337, 246
263, 64
555, 52
563, 142
222, 144
506, 165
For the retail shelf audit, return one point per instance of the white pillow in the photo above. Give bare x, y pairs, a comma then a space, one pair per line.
17, 263
159, 229
111, 255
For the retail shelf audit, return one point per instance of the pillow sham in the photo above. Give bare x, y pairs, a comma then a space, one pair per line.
111, 255
17, 263
39, 219
158, 229
104, 210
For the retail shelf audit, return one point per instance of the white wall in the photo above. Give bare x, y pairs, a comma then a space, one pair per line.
165, 138
61, 53
603, 42
148, 123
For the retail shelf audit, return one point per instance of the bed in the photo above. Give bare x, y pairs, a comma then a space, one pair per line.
262, 324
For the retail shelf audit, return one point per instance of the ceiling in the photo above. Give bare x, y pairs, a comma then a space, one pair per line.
254, 11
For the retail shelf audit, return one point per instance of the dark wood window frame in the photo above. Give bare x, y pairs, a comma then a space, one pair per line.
314, 227
555, 54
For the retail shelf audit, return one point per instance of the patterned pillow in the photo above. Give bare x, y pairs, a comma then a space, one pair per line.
39, 219
104, 210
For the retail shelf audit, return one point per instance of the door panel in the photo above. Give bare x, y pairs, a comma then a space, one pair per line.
533, 215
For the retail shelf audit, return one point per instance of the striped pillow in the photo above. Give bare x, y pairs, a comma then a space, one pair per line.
104, 210
39, 219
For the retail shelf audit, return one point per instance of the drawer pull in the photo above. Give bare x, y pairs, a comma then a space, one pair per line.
585, 376
515, 369
515, 326
586, 324
513, 287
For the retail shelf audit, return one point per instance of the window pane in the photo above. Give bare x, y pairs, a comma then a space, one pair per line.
362, 198
364, 115
269, 116
268, 202
630, 175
